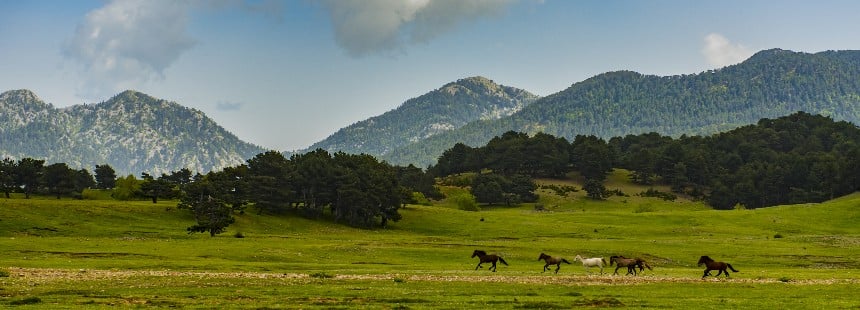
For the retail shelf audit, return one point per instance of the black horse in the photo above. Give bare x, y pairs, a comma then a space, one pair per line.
483, 257
710, 264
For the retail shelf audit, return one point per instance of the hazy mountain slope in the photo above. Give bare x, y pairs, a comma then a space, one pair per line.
770, 84
449, 107
133, 132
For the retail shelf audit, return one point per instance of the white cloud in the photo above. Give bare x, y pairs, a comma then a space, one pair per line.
128, 42
721, 52
365, 27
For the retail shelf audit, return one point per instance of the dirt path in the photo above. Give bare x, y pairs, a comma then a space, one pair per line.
47, 275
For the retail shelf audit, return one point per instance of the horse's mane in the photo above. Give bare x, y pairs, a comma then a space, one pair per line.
705, 259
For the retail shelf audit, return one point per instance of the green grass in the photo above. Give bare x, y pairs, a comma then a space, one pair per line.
105, 253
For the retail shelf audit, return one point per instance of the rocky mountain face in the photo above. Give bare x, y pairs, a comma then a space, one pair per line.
133, 132
447, 108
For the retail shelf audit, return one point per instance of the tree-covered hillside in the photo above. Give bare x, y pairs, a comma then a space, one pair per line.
794, 159
447, 108
770, 84
132, 132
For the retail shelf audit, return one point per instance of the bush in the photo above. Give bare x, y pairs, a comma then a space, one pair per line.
239, 234
4, 273
662, 195
420, 199
465, 202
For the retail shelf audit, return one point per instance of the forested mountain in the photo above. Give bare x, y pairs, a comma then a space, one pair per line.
447, 108
770, 84
132, 132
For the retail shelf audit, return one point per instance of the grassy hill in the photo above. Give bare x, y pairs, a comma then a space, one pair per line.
104, 253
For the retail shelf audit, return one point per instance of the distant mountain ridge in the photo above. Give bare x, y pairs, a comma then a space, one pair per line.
446, 108
770, 84
133, 132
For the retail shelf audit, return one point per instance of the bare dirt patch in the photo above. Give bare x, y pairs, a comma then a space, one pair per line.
46, 275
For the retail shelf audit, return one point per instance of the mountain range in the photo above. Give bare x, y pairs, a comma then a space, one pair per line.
134, 132
770, 84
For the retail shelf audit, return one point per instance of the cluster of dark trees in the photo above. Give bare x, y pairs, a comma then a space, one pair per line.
794, 159
357, 190
32, 176
517, 158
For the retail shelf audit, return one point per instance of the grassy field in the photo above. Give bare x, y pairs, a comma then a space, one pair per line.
104, 253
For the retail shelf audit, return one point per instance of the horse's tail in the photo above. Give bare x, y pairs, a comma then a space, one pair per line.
564, 260
732, 268
503, 261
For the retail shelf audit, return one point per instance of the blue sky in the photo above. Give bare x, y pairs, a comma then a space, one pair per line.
286, 74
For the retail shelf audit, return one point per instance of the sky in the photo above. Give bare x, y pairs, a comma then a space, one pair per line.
284, 74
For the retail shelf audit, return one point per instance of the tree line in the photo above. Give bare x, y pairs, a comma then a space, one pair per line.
356, 190
794, 159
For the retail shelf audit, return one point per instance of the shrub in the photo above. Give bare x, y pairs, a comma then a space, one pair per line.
465, 202
239, 234
4, 273
662, 195
420, 199
645, 207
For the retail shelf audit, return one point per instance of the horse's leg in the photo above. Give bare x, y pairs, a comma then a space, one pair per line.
557, 267
479, 265
706, 273
493, 267
616, 269
719, 272
545, 267
726, 272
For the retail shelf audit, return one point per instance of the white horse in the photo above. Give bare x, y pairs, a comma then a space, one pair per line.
591, 262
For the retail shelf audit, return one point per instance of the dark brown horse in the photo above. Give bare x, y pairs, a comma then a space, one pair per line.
710, 264
630, 263
552, 261
483, 257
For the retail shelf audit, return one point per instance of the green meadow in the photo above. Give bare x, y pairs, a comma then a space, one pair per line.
102, 253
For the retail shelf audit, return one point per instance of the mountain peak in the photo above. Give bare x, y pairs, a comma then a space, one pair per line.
20, 95
765, 55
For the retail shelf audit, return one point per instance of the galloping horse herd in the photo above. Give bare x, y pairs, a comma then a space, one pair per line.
619, 261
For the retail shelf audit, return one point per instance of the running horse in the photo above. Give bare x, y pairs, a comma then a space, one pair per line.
483, 257
552, 261
630, 263
591, 262
710, 264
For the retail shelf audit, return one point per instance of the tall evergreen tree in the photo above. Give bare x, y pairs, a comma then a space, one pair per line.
105, 176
